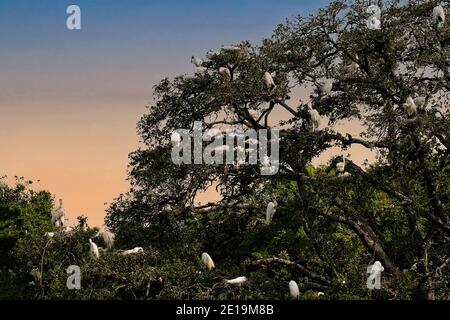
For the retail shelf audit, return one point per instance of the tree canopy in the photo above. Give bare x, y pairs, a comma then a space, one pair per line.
333, 220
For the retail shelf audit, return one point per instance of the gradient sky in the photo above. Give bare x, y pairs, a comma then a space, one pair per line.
70, 100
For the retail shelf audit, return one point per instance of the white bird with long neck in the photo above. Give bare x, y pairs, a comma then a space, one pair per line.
439, 16
293, 289
133, 251
315, 117
108, 238
268, 80
410, 107
270, 211
206, 259
236, 281
93, 249
58, 213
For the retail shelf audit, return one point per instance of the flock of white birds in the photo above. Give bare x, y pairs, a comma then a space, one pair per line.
325, 87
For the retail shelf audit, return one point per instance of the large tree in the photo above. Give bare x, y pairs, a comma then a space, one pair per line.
329, 227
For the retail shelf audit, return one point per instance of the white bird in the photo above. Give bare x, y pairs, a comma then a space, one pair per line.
340, 166
206, 259
225, 72
175, 139
268, 80
58, 213
108, 238
377, 267
293, 289
373, 23
314, 117
196, 61
270, 211
325, 87
133, 251
439, 16
49, 234
237, 281
93, 249
374, 10
410, 107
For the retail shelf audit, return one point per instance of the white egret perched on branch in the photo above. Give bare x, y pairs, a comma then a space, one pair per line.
439, 16
410, 107
314, 117
58, 214
93, 249
206, 259
236, 281
108, 238
270, 211
268, 80
133, 251
293, 289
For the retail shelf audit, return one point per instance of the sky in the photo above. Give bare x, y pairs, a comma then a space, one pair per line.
70, 99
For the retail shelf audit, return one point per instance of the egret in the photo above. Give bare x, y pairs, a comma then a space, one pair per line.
133, 251
58, 213
314, 117
373, 23
377, 267
439, 16
94, 249
175, 139
225, 72
108, 238
325, 87
196, 61
410, 107
374, 10
293, 289
206, 259
268, 80
237, 281
270, 211
340, 166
